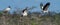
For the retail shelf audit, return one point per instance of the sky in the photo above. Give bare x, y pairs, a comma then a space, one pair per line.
24, 3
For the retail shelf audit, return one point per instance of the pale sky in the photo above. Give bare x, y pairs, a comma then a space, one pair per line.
55, 4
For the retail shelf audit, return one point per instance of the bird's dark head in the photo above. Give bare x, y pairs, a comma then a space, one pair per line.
9, 6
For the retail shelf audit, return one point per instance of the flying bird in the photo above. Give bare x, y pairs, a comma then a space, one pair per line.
45, 7
25, 11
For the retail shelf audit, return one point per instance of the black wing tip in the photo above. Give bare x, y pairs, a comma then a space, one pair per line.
48, 3
24, 9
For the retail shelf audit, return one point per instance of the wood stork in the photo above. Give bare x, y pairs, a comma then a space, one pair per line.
45, 7
7, 9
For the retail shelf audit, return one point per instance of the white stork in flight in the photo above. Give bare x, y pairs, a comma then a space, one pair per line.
45, 7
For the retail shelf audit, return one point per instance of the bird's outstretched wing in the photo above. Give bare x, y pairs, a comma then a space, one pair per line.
24, 9
27, 8
46, 6
41, 5
31, 8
